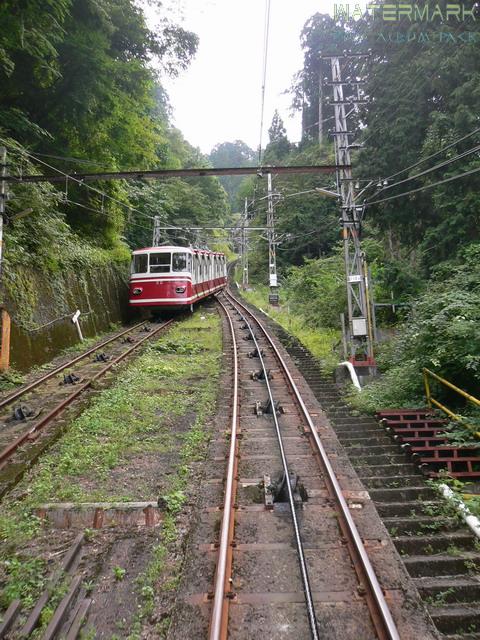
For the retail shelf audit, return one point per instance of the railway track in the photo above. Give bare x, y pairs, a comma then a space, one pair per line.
30, 417
439, 552
298, 552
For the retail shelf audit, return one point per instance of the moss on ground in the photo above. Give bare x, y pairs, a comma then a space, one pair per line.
174, 378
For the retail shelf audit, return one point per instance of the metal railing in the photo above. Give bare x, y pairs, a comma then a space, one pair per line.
433, 401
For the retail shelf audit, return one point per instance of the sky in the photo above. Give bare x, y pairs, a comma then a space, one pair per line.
218, 98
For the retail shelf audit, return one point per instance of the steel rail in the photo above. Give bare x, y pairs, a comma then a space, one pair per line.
8, 451
382, 617
32, 385
219, 617
312, 620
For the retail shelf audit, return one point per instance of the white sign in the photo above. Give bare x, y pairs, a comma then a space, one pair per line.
354, 278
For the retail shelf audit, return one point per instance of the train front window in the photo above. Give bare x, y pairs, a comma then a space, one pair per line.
140, 263
180, 262
160, 262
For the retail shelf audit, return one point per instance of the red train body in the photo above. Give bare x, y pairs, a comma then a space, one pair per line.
175, 277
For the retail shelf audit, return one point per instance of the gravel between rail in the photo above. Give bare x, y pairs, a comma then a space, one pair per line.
266, 596
438, 550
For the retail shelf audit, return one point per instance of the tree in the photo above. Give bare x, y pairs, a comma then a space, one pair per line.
232, 154
93, 95
278, 146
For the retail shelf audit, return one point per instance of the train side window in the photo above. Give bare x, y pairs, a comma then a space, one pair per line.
180, 262
160, 262
140, 263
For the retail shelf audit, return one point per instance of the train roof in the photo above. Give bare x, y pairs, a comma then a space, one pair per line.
175, 248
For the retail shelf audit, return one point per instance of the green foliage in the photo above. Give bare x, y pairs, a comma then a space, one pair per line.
77, 83
422, 99
232, 154
317, 291
307, 223
174, 501
24, 580
119, 573
320, 341
441, 334
278, 146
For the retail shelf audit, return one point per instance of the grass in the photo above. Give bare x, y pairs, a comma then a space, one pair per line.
11, 379
176, 376
319, 341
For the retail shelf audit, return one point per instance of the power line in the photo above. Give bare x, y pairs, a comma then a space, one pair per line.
84, 206
264, 77
70, 159
445, 163
433, 155
77, 180
428, 186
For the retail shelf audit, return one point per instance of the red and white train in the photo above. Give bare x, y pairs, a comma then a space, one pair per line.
170, 278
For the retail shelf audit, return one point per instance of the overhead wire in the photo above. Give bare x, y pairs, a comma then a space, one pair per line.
424, 187
445, 163
264, 74
84, 206
72, 178
433, 155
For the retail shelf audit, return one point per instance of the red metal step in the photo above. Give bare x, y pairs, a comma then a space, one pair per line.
422, 435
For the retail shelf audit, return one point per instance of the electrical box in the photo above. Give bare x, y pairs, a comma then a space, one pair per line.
359, 326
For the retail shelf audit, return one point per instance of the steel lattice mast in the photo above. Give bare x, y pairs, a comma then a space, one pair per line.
360, 338
272, 256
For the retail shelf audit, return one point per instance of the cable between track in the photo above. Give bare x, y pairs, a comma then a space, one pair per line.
381, 615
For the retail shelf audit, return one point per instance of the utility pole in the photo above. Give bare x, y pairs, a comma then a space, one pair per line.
245, 248
156, 231
360, 333
5, 317
272, 258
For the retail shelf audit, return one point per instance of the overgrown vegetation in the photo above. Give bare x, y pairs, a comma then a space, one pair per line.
423, 248
82, 91
320, 341
138, 415
441, 334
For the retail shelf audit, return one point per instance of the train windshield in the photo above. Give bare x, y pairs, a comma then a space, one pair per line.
160, 262
140, 263
181, 262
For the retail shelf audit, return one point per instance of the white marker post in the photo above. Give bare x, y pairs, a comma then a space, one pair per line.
75, 321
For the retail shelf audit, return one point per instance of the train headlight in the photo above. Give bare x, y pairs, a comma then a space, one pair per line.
137, 291
180, 290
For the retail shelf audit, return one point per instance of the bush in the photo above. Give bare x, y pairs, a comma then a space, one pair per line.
317, 291
441, 334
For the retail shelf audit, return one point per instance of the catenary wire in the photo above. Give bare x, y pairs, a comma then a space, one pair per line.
71, 178
425, 187
445, 163
264, 76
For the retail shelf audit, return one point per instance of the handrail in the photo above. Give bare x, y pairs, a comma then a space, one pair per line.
431, 400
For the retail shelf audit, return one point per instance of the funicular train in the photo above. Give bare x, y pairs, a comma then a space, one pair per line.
172, 278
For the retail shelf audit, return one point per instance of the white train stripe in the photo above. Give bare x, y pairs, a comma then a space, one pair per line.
177, 300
